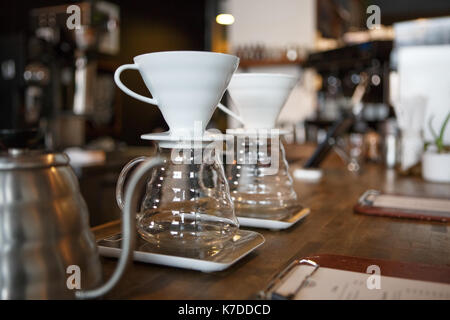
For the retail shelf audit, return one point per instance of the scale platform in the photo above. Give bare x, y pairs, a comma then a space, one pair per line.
274, 224
205, 260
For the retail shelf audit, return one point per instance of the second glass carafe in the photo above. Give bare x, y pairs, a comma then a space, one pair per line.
260, 183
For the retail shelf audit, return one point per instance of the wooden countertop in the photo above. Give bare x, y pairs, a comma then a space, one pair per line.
332, 227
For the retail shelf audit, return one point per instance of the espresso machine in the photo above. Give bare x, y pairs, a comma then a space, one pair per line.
340, 72
62, 85
352, 99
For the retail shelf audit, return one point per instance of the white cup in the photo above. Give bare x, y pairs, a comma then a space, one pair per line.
185, 85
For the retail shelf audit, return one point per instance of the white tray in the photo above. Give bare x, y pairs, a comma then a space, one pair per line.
274, 224
206, 260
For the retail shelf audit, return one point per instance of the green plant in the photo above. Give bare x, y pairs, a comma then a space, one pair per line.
439, 139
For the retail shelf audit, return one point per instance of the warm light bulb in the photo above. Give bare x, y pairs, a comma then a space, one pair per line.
225, 18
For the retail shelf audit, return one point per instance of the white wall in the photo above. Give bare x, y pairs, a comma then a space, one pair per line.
278, 23
425, 71
273, 22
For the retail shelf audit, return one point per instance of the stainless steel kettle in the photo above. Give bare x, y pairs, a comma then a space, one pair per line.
44, 230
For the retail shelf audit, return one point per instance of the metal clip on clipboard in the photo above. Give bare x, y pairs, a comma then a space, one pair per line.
269, 292
368, 197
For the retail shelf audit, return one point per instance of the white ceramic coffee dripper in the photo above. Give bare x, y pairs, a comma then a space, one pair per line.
185, 85
259, 98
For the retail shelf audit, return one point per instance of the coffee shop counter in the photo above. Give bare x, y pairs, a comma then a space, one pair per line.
332, 227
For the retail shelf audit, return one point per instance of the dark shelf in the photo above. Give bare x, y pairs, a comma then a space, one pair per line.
246, 63
348, 56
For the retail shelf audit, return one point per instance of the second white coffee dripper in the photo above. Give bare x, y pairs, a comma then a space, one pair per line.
259, 98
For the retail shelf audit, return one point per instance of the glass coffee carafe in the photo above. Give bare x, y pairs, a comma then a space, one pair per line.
260, 183
186, 202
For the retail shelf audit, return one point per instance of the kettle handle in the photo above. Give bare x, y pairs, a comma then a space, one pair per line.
121, 180
128, 231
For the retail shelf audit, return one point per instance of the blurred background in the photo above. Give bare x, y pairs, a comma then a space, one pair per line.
61, 80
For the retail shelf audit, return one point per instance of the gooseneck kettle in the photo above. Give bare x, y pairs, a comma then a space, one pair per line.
44, 231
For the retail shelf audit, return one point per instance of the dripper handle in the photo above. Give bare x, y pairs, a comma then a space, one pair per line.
230, 113
122, 177
128, 232
125, 89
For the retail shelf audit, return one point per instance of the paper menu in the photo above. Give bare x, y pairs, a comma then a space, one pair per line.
412, 203
334, 284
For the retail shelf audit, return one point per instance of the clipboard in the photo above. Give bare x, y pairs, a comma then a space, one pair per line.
376, 203
435, 275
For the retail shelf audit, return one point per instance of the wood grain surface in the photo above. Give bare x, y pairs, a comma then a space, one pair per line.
332, 227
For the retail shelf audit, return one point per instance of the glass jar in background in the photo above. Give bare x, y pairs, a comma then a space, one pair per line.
351, 149
373, 146
390, 143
